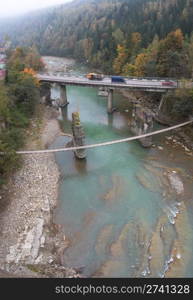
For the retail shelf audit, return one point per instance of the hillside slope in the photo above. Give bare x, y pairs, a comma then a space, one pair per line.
90, 30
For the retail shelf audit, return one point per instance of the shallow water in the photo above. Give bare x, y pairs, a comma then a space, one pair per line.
117, 208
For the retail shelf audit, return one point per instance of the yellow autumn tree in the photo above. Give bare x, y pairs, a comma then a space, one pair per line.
135, 38
174, 41
129, 70
171, 61
120, 60
31, 72
140, 64
179, 38
135, 43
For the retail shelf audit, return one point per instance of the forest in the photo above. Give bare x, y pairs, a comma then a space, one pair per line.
168, 57
133, 37
18, 98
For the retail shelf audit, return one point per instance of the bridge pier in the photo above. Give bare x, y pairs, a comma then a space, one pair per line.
142, 123
110, 102
163, 114
63, 96
78, 136
45, 93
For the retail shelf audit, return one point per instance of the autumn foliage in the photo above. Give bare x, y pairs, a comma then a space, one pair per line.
169, 57
29, 71
90, 31
18, 98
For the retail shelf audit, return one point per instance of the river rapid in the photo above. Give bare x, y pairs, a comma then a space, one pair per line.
126, 211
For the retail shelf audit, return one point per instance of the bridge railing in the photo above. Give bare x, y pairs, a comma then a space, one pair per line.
83, 75
177, 83
144, 78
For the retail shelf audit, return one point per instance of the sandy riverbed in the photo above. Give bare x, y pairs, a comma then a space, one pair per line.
30, 244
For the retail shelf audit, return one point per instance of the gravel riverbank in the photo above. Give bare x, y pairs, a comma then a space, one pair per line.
30, 244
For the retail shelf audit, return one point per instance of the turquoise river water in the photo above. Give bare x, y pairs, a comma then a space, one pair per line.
119, 209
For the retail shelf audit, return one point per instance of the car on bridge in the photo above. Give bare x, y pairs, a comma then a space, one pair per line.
117, 79
168, 83
94, 76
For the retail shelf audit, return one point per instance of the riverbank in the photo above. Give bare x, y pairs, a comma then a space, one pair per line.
31, 245
120, 215
182, 136
58, 65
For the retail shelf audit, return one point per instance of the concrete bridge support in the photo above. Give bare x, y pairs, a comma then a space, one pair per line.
142, 123
78, 136
110, 102
45, 93
63, 96
163, 114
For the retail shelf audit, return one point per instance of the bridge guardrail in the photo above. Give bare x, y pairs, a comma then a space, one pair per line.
178, 83
109, 84
109, 76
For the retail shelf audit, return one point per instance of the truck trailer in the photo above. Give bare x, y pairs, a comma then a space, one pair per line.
94, 76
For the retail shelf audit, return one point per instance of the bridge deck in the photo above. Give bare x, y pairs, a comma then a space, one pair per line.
134, 84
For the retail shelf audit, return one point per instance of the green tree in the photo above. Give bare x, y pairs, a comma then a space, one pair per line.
190, 53
4, 105
172, 58
33, 59
24, 93
18, 98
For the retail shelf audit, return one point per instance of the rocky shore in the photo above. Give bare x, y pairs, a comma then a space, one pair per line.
183, 136
30, 244
57, 65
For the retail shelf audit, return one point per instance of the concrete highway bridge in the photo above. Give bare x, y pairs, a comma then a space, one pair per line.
134, 84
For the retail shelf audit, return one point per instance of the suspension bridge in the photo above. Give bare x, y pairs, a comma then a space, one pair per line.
106, 143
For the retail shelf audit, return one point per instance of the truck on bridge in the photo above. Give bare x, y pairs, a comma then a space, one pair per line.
94, 76
117, 79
